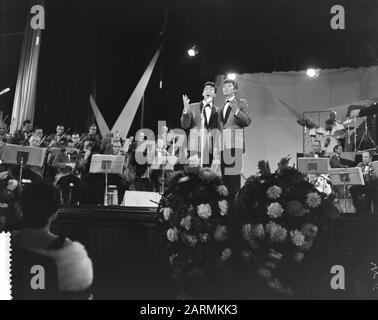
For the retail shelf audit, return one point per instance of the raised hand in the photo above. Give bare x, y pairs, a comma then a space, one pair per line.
186, 102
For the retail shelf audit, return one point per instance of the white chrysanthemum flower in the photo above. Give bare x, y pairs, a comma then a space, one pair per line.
313, 200
275, 210
12, 185
297, 237
274, 192
167, 213
204, 211
258, 231
186, 222
276, 232
172, 234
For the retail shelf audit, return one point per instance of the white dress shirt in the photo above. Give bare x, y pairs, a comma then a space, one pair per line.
207, 111
227, 105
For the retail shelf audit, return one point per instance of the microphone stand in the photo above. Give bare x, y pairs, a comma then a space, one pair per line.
202, 135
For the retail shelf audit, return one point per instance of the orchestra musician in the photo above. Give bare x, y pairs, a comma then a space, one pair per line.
32, 173
59, 138
317, 151
74, 142
335, 159
121, 181
94, 137
22, 136
4, 136
39, 132
68, 176
364, 196
366, 165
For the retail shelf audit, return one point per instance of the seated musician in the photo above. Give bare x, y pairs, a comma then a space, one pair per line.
32, 173
94, 136
316, 151
75, 142
23, 135
39, 132
121, 181
366, 165
56, 139
4, 137
335, 159
67, 175
364, 195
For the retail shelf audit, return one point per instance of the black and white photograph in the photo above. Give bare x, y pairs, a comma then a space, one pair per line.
189, 150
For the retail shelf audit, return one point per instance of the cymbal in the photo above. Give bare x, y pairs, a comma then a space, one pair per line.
347, 121
307, 123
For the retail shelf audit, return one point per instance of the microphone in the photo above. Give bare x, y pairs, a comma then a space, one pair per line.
4, 91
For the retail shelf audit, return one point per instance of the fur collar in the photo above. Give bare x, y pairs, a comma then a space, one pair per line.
75, 270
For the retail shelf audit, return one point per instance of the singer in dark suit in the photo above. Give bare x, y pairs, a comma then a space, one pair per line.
234, 117
200, 115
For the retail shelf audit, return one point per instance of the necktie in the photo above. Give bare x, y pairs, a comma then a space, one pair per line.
226, 106
207, 113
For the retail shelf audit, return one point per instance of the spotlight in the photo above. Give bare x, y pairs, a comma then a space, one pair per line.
193, 51
231, 76
312, 73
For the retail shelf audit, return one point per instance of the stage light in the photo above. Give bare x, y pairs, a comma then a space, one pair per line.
231, 76
193, 51
312, 73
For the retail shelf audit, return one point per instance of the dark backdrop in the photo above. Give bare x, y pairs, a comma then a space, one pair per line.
103, 47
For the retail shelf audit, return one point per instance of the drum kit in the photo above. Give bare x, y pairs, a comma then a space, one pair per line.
330, 139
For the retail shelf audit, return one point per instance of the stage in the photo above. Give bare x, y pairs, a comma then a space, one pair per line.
124, 245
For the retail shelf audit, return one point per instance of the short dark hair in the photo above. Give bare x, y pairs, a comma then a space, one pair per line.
211, 84
37, 128
233, 82
25, 122
75, 133
39, 201
336, 147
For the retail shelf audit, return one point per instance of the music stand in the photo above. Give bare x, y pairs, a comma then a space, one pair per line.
23, 156
346, 177
313, 165
375, 167
106, 164
163, 163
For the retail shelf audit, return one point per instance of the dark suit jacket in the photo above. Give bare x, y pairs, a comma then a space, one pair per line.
192, 121
233, 124
335, 162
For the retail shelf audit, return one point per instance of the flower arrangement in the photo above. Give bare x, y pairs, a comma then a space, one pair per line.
10, 210
283, 221
197, 233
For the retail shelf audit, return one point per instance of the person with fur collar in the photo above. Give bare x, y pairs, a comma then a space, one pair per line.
72, 266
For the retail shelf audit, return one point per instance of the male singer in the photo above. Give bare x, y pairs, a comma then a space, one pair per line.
234, 117
198, 116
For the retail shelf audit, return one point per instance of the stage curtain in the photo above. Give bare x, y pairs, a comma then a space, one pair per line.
274, 132
25, 93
